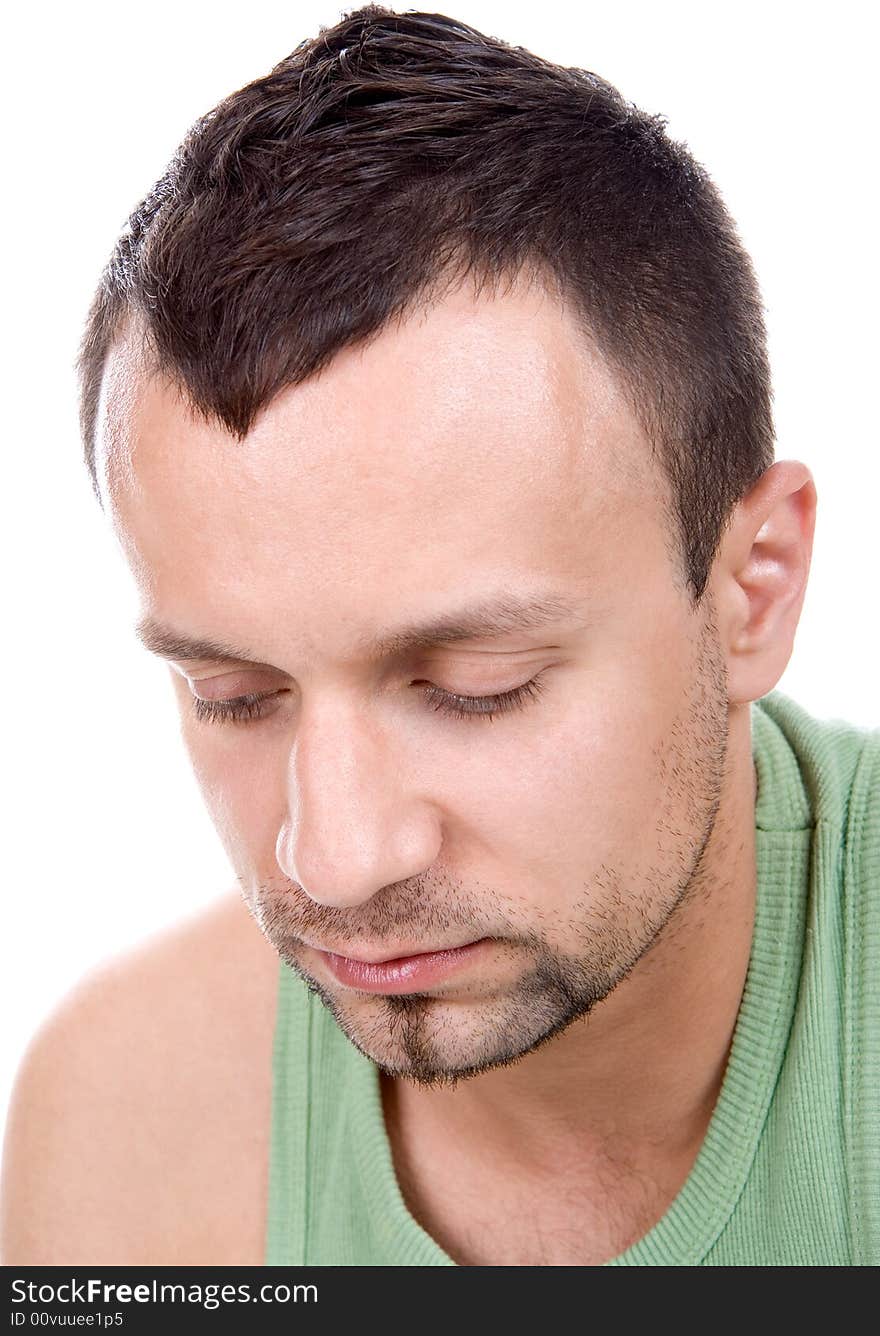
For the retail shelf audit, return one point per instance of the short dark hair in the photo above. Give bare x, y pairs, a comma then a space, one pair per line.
395, 150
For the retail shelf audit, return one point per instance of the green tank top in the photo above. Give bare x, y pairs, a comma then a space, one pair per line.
789, 1171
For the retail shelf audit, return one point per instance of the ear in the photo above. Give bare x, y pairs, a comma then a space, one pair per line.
760, 577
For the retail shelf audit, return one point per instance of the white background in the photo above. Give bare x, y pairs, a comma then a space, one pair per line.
106, 837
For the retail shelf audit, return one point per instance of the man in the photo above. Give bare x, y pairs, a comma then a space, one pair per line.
428, 397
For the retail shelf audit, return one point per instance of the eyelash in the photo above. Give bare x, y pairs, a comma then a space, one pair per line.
242, 709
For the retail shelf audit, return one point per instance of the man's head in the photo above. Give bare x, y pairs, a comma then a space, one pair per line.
420, 328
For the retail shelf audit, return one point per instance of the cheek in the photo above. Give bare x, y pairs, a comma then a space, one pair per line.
587, 786
242, 795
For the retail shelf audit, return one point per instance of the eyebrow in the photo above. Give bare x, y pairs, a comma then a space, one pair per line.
488, 619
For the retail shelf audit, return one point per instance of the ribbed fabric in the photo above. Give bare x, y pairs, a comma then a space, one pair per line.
789, 1171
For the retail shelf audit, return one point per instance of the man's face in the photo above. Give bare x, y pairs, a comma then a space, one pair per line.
477, 452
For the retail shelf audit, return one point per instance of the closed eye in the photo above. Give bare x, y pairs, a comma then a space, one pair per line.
253, 706
484, 707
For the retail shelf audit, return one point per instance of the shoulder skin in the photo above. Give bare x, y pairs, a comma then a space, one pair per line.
138, 1128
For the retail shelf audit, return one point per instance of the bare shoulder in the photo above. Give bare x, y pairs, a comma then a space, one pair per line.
138, 1130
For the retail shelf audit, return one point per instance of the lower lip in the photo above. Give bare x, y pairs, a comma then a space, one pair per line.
408, 974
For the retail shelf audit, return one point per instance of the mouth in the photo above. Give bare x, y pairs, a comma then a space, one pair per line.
396, 956
414, 972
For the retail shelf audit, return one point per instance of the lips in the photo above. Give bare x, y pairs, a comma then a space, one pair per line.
388, 957
418, 972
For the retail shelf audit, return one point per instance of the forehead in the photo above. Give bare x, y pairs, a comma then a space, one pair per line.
482, 436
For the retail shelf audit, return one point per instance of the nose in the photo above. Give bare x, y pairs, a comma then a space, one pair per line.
355, 821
